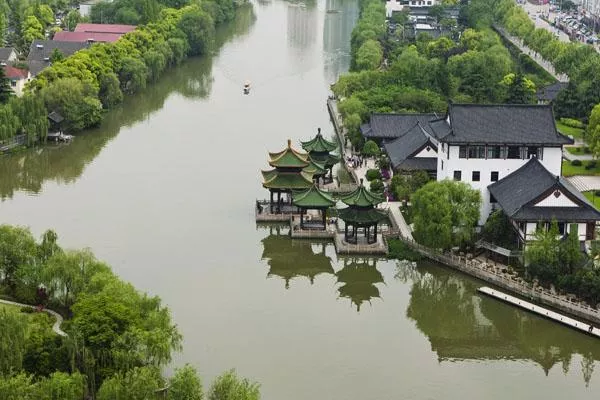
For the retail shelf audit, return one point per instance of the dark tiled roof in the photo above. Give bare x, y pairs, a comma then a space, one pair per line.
549, 93
390, 126
37, 53
516, 192
412, 141
5, 53
419, 164
503, 124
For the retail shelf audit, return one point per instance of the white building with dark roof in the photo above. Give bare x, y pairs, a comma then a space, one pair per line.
482, 144
512, 154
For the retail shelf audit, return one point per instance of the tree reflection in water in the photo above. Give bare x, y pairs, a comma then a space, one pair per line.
29, 169
462, 325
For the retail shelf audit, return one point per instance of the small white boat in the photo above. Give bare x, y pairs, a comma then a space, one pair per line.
247, 87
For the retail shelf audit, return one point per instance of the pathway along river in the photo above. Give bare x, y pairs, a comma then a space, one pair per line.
164, 190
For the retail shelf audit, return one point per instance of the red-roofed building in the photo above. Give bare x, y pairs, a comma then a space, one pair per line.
104, 28
86, 37
17, 77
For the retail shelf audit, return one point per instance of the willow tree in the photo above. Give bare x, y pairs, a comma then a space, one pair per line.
13, 328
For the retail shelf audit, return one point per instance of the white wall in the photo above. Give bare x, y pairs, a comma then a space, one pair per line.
532, 226
19, 85
392, 5
551, 160
426, 154
552, 201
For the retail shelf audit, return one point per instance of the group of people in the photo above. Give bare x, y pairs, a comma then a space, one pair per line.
355, 161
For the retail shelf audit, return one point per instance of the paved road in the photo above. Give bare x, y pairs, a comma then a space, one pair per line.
585, 183
57, 316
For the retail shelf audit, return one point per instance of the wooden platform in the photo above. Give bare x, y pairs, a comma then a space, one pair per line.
541, 311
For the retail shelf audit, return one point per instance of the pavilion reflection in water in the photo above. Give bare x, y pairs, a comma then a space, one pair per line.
288, 259
465, 326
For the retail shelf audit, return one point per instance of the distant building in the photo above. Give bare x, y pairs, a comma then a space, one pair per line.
17, 77
547, 94
40, 52
87, 37
104, 28
8, 54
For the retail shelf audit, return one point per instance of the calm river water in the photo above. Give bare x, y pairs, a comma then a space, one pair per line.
164, 192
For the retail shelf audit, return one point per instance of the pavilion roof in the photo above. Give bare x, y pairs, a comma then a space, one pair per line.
275, 179
289, 158
362, 216
361, 197
312, 197
327, 159
319, 144
314, 167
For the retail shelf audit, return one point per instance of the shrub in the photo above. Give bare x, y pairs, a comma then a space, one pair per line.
576, 163
370, 149
571, 122
591, 165
597, 193
26, 310
377, 186
373, 174
401, 251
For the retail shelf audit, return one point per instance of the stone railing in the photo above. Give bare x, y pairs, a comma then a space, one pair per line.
493, 274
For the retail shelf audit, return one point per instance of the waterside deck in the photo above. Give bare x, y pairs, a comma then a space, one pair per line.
544, 312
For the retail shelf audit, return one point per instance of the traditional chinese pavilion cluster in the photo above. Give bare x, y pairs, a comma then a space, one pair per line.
297, 185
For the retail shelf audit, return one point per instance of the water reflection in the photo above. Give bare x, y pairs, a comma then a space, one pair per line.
461, 325
289, 259
358, 279
340, 17
28, 170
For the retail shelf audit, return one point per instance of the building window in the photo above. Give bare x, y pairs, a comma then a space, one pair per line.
494, 176
442, 165
476, 176
462, 152
476, 152
561, 228
514, 152
532, 152
495, 152
457, 175
13, 83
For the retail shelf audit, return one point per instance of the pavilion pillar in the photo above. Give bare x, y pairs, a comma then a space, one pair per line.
323, 214
279, 202
375, 237
271, 201
346, 232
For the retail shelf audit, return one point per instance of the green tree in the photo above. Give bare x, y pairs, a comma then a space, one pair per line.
185, 384
72, 19
110, 93
75, 100
445, 213
17, 387
17, 249
371, 149
229, 387
6, 91
136, 384
542, 254
32, 29
56, 56
133, 75
199, 30
570, 254
13, 330
519, 90
156, 64
61, 386
369, 55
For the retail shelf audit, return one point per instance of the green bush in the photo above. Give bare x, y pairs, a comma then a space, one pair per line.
377, 186
371, 149
576, 163
397, 249
373, 174
590, 165
597, 193
27, 310
571, 122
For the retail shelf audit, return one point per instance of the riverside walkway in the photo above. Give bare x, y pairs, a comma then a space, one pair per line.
57, 316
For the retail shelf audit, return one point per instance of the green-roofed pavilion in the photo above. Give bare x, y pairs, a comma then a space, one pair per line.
292, 170
288, 258
358, 281
320, 150
313, 199
361, 214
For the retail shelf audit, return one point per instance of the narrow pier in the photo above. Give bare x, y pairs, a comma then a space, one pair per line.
541, 311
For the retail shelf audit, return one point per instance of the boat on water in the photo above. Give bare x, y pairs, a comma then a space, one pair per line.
247, 87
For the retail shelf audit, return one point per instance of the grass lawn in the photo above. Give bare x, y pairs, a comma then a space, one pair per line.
8, 307
579, 150
567, 130
594, 199
569, 169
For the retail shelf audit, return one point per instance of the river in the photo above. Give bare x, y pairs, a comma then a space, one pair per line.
164, 192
